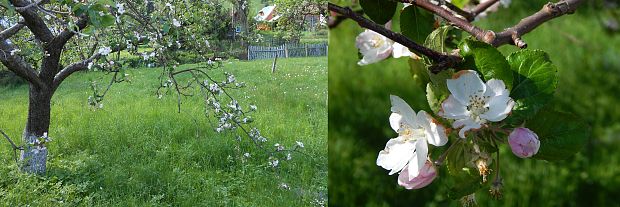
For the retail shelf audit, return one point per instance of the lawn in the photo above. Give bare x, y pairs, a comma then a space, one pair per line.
138, 151
589, 68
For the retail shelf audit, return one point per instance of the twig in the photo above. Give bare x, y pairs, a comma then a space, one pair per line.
481, 8
511, 35
442, 61
15, 147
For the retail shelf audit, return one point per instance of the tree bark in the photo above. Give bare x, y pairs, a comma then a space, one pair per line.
39, 108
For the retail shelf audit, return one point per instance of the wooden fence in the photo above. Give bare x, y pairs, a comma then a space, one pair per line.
287, 50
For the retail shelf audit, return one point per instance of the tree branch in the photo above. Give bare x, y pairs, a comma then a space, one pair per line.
68, 33
33, 21
443, 61
508, 36
67, 71
481, 8
5, 34
18, 65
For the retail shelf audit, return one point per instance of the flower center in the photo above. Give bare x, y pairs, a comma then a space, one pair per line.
477, 106
411, 134
376, 42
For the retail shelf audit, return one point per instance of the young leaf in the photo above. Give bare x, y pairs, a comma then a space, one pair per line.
436, 40
487, 60
561, 135
535, 81
416, 23
380, 11
437, 90
464, 180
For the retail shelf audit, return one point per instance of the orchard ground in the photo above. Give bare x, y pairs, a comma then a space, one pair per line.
138, 151
589, 70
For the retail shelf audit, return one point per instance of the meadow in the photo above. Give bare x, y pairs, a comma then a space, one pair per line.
587, 56
138, 150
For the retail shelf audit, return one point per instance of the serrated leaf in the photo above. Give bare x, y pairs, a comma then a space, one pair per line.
463, 180
416, 23
487, 60
379, 11
436, 40
561, 134
535, 81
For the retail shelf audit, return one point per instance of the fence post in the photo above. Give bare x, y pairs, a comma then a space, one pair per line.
285, 50
306, 47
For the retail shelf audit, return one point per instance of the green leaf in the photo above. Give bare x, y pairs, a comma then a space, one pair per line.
380, 11
535, 81
436, 40
419, 72
460, 3
561, 134
487, 60
416, 23
463, 180
437, 90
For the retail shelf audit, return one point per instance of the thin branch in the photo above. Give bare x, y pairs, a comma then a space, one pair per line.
481, 8
7, 33
15, 147
24, 8
508, 36
443, 61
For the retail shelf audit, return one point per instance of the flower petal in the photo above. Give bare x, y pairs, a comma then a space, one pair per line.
416, 163
467, 124
402, 114
499, 107
453, 109
400, 51
464, 84
495, 87
425, 177
435, 133
396, 154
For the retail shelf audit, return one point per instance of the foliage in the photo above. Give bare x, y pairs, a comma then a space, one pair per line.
118, 155
361, 125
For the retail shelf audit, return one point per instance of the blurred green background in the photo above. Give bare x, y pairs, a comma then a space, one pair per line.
586, 48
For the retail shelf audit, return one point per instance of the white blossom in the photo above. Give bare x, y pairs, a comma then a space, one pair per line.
373, 46
415, 132
472, 103
176, 23
121, 8
300, 144
105, 51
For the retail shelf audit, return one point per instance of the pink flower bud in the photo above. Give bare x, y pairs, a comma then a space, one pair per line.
426, 176
523, 142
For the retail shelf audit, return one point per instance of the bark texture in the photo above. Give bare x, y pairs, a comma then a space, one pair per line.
39, 108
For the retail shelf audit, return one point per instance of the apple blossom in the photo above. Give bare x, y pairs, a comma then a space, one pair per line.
399, 50
414, 133
473, 103
425, 177
523, 142
373, 46
105, 51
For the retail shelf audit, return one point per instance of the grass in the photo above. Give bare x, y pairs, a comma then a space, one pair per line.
138, 151
589, 67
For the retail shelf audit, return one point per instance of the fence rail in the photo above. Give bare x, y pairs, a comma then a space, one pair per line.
287, 50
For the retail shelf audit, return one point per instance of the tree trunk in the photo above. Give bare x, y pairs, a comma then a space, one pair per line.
39, 108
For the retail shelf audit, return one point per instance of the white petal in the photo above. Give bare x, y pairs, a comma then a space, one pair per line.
405, 114
396, 154
453, 109
435, 133
495, 88
419, 158
499, 108
467, 124
464, 84
400, 51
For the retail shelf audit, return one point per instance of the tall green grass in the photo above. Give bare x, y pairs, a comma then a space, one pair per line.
589, 68
138, 151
